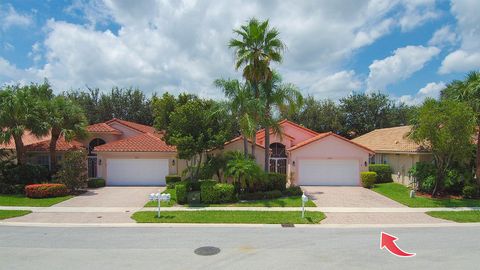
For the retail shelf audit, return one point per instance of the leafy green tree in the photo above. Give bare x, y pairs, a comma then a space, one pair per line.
279, 96
467, 91
163, 106
67, 119
318, 115
23, 108
195, 128
257, 46
363, 113
89, 102
446, 127
73, 170
242, 103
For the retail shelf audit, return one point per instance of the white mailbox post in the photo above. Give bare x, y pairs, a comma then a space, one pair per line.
159, 197
304, 200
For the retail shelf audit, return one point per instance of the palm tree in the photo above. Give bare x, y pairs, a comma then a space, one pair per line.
282, 97
67, 119
468, 91
257, 46
22, 108
242, 104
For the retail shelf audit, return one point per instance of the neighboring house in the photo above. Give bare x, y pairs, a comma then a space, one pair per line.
308, 157
121, 152
392, 146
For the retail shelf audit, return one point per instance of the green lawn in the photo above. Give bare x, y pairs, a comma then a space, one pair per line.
295, 201
20, 200
457, 216
257, 217
401, 194
4, 214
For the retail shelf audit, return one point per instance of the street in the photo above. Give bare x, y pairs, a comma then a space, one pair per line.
240, 248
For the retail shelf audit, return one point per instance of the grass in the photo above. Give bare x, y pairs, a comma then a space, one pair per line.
295, 201
21, 200
401, 194
457, 216
253, 217
4, 214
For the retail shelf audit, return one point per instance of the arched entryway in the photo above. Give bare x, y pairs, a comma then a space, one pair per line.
92, 157
278, 158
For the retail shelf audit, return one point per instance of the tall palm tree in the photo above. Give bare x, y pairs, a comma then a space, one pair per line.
278, 96
242, 104
468, 91
22, 108
67, 119
257, 46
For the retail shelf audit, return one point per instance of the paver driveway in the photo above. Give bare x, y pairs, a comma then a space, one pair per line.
344, 196
112, 197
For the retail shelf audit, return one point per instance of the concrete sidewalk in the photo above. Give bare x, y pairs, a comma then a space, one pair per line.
176, 208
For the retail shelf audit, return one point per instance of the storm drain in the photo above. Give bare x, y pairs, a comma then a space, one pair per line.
288, 225
207, 251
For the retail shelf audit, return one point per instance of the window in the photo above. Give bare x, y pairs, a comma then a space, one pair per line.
371, 159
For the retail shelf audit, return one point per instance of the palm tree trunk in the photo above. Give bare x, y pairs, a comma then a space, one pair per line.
53, 153
477, 171
20, 149
245, 145
254, 143
267, 148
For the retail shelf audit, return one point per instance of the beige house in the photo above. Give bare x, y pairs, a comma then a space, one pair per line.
392, 146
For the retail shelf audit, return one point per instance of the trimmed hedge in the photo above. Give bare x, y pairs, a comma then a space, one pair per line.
293, 191
368, 179
384, 172
96, 182
276, 181
46, 190
181, 191
470, 191
170, 179
274, 194
211, 192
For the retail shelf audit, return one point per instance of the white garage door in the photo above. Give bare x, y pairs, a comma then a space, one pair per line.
136, 172
329, 172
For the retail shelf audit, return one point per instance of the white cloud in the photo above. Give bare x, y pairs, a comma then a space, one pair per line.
443, 37
182, 45
9, 17
467, 57
417, 12
336, 85
431, 90
401, 65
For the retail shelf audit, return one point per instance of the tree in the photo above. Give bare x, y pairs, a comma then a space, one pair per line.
73, 170
467, 91
67, 119
276, 95
243, 170
194, 128
446, 127
242, 103
257, 47
23, 108
164, 106
364, 113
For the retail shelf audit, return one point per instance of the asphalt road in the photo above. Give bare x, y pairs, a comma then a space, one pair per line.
241, 248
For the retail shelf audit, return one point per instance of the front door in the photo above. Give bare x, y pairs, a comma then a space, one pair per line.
278, 165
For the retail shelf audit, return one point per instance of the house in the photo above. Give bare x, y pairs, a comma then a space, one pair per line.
121, 152
308, 157
392, 146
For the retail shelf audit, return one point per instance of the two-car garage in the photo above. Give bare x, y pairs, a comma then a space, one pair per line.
328, 172
136, 172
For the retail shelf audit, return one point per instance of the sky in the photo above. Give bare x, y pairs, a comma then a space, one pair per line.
407, 49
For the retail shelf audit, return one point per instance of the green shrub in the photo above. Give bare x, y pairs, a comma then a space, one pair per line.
470, 191
276, 181
193, 197
73, 170
217, 193
424, 174
368, 179
46, 190
267, 195
171, 179
11, 189
181, 192
274, 194
384, 172
26, 174
427, 184
293, 191
96, 182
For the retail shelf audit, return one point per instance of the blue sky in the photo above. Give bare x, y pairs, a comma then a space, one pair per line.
408, 49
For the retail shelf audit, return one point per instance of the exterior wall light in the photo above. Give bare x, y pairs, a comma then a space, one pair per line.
293, 163
173, 162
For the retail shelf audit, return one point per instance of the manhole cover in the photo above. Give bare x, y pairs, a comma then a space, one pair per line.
288, 225
207, 251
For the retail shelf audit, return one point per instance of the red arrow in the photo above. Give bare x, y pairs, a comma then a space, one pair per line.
388, 241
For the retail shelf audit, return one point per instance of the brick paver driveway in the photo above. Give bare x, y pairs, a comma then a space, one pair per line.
341, 196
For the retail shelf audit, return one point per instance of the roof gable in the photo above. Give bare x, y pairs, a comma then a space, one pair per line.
322, 136
393, 139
